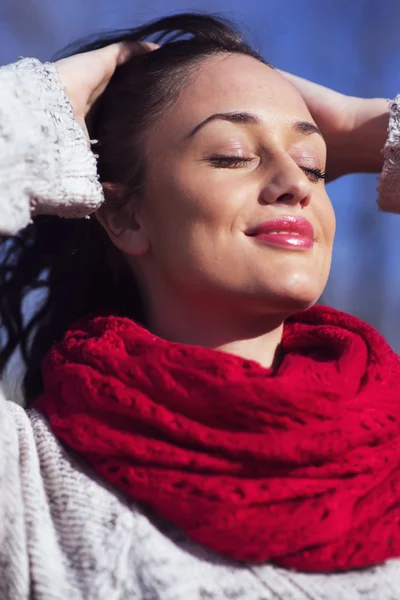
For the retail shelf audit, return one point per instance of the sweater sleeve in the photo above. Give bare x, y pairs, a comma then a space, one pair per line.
389, 183
46, 165
13, 541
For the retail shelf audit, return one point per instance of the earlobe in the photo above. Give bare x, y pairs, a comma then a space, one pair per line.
121, 225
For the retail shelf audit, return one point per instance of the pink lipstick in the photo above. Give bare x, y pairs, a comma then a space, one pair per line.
296, 233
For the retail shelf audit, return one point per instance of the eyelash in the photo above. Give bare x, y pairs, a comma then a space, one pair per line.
239, 161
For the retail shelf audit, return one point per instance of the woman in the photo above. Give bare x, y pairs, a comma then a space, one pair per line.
197, 433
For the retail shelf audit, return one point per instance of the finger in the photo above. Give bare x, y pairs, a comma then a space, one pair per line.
300, 83
123, 51
288, 75
304, 85
113, 56
129, 49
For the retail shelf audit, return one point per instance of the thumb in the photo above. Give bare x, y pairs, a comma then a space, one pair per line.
304, 86
126, 50
113, 56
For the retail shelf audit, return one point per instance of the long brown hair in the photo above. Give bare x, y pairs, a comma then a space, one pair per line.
72, 260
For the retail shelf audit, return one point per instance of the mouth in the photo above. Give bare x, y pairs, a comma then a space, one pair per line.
295, 233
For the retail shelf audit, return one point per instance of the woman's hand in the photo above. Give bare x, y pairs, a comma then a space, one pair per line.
355, 129
85, 76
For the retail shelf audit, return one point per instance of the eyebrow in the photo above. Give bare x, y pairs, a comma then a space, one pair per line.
246, 118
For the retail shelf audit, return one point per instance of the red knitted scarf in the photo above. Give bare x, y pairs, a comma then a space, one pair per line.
299, 465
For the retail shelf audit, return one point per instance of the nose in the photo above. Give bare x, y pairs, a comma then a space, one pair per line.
289, 184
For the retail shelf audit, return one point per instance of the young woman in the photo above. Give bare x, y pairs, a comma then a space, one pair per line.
196, 430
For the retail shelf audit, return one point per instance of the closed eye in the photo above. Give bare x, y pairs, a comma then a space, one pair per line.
229, 161
235, 162
314, 175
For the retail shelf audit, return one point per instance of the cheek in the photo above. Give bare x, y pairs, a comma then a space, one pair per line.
327, 221
188, 204
327, 218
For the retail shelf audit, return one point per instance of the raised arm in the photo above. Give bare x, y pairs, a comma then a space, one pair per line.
363, 136
45, 161
46, 165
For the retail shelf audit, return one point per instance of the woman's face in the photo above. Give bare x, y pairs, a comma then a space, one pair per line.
211, 180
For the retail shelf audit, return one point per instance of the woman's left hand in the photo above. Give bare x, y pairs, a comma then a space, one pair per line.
355, 129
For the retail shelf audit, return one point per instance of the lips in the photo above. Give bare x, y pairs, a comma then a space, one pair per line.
295, 232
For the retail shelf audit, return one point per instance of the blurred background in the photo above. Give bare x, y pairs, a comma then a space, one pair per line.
353, 47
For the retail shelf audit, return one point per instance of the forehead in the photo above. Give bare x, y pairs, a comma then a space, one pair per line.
235, 82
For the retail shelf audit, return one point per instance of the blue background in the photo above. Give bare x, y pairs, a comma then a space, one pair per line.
353, 47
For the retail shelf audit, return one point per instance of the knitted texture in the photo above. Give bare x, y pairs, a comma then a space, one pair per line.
65, 534
389, 200
298, 466
45, 162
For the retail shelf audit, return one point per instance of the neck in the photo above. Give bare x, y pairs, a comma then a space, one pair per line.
210, 326
262, 348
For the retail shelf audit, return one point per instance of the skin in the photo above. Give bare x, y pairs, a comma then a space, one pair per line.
205, 281
85, 76
355, 129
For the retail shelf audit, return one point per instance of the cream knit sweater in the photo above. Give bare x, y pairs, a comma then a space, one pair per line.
65, 534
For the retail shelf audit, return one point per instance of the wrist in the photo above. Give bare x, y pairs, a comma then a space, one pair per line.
365, 136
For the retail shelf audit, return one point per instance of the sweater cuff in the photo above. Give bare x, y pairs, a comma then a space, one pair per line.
47, 165
389, 182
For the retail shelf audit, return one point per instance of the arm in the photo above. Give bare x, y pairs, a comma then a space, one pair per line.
355, 129
46, 166
362, 135
372, 145
366, 134
45, 161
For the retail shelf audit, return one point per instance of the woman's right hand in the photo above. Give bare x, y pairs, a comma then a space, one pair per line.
85, 76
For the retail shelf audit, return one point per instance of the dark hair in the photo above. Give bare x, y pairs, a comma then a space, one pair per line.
73, 260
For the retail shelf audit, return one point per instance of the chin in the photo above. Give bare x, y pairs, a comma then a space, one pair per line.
297, 294
289, 305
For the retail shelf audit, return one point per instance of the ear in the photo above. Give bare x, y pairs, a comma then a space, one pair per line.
123, 227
